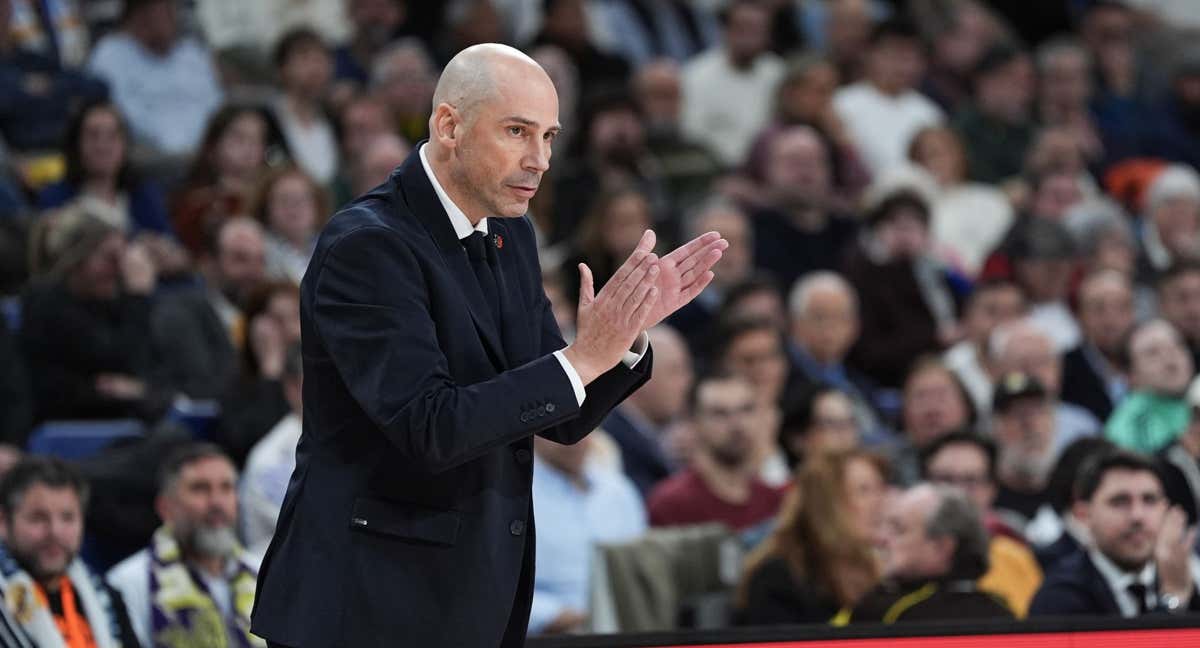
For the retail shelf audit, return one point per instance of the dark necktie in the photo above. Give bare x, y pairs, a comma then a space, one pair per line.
481, 262
1138, 592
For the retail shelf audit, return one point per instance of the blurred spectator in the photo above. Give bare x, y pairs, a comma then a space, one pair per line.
564, 25
403, 76
100, 178
1023, 427
959, 32
755, 297
820, 557
907, 301
304, 65
362, 119
251, 27
608, 235
638, 425
823, 325
579, 506
1023, 346
727, 90
1180, 461
1056, 532
163, 81
695, 318
1178, 290
663, 29
291, 207
1105, 240
194, 581
37, 95
86, 324
969, 218
1064, 99
227, 168
820, 421
16, 417
197, 331
935, 404
1042, 256
565, 77
378, 160
798, 230
271, 461
1171, 128
1094, 373
935, 549
991, 304
687, 167
374, 24
847, 35
997, 127
720, 484
54, 29
1139, 561
884, 111
967, 461
1171, 222
1057, 149
56, 598
256, 401
1160, 368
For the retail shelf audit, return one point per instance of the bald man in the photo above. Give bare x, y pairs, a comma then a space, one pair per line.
431, 358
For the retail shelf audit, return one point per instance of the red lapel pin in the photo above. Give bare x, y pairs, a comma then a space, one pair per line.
499, 241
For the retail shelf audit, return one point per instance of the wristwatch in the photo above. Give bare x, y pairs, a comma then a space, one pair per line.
1171, 603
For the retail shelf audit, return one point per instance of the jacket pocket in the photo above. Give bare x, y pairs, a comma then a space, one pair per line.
405, 521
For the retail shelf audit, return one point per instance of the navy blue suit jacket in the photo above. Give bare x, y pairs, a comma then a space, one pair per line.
643, 459
1074, 586
407, 517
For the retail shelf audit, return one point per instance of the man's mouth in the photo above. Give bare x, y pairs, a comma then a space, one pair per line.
525, 191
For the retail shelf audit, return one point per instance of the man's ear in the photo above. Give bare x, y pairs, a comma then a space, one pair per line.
1082, 511
444, 125
162, 507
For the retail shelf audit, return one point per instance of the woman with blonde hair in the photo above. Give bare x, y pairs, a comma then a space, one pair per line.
820, 557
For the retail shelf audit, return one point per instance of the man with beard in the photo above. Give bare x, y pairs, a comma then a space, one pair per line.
1093, 375
1023, 428
53, 596
1155, 413
193, 585
196, 331
721, 484
1140, 558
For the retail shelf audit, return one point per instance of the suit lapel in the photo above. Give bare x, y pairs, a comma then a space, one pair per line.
515, 318
423, 201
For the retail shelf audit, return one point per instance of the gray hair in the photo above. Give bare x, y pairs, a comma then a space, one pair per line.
1094, 221
805, 286
710, 205
1058, 46
956, 517
1003, 335
1175, 181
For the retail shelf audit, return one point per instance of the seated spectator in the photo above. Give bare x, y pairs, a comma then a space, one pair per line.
821, 421
374, 24
935, 549
1042, 256
55, 597
362, 120
721, 483
565, 25
908, 301
934, 403
292, 207
100, 178
968, 218
1023, 427
1055, 532
86, 325
756, 297
1022, 347
197, 332
695, 319
228, 167
884, 111
577, 506
1139, 559
271, 461
992, 303
1160, 368
39, 94
968, 461
1094, 373
305, 68
1065, 96
997, 127
59, 32
608, 235
164, 81
1180, 461
378, 160
194, 583
403, 77
959, 33
1171, 222
1178, 292
639, 424
727, 90
821, 557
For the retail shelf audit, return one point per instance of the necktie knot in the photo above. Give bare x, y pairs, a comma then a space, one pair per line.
476, 246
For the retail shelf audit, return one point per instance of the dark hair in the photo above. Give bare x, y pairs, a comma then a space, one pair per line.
47, 471
257, 302
1096, 466
1175, 271
718, 376
733, 328
262, 197
293, 362
725, 14
294, 40
798, 416
756, 283
130, 7
76, 175
990, 284
995, 57
1060, 487
956, 517
895, 201
929, 362
600, 100
183, 456
201, 173
984, 444
895, 29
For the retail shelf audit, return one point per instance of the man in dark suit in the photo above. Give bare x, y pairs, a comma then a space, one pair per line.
1093, 375
1140, 556
429, 363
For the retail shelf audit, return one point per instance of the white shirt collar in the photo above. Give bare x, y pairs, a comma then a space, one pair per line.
462, 224
1119, 581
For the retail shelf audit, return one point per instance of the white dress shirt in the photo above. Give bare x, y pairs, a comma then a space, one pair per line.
1119, 581
463, 229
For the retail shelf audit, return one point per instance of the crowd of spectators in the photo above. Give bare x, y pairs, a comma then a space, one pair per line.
946, 369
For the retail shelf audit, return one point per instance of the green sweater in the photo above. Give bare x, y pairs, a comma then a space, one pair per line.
1147, 422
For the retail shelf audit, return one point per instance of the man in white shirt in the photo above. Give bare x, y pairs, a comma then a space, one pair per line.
271, 462
883, 112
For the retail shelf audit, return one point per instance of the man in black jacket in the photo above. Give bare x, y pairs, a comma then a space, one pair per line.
1094, 373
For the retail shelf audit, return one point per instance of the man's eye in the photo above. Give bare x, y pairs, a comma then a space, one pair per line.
515, 130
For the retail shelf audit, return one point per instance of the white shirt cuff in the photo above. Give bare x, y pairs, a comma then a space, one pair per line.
573, 376
634, 355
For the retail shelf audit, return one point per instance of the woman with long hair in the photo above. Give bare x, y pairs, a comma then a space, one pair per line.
820, 557
291, 207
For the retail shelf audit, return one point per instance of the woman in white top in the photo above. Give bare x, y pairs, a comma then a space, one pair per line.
290, 205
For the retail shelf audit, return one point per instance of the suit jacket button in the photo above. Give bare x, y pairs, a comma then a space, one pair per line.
523, 455
524, 417
550, 408
517, 527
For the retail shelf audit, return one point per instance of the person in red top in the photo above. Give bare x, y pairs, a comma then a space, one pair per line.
721, 483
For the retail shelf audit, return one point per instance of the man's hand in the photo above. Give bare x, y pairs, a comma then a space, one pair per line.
684, 273
608, 323
1172, 555
567, 621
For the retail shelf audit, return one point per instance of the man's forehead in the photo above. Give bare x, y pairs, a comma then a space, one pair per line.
207, 468
1121, 480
